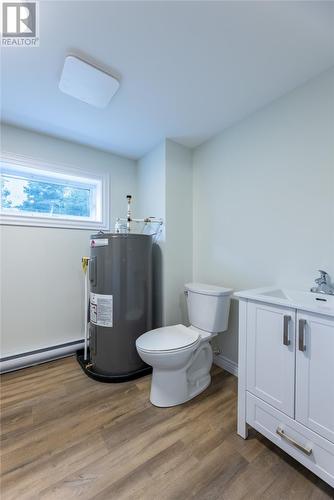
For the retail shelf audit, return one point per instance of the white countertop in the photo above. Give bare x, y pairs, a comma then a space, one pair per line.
297, 299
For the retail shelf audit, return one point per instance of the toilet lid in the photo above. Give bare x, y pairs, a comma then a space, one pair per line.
208, 289
167, 338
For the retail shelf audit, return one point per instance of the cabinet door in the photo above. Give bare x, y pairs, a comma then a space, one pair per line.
315, 373
271, 355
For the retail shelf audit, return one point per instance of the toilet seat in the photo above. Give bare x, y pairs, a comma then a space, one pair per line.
168, 339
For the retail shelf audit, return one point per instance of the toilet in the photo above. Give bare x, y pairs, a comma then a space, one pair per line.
181, 357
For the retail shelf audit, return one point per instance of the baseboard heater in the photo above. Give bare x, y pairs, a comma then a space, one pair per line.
30, 358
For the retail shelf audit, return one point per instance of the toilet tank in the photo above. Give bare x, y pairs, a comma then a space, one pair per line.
208, 306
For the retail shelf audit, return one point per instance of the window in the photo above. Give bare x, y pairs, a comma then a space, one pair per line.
46, 195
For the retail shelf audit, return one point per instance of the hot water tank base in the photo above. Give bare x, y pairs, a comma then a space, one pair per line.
89, 371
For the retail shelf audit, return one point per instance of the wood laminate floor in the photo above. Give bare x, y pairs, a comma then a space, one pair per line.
66, 436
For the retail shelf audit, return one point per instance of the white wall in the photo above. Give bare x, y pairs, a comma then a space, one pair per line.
260, 195
41, 277
165, 190
151, 202
42, 280
264, 197
179, 231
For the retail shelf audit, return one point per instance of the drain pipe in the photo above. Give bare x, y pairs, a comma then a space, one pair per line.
128, 225
85, 268
128, 219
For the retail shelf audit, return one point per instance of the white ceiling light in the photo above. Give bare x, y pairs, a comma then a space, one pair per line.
87, 83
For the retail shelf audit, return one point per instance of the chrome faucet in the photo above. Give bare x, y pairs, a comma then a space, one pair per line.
324, 284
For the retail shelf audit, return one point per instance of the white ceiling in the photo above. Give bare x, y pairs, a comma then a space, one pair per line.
187, 69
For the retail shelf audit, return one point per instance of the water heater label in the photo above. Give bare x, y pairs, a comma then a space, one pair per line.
100, 242
101, 309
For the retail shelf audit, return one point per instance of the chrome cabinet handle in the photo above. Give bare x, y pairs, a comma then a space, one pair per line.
305, 449
286, 321
301, 335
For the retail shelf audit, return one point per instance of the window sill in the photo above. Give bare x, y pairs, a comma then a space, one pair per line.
47, 222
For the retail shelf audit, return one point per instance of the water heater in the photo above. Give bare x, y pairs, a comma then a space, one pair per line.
120, 304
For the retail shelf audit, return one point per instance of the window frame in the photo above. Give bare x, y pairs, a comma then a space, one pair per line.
21, 162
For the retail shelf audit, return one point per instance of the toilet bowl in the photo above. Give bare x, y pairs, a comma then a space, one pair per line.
181, 357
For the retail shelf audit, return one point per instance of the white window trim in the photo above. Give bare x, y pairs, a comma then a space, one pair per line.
37, 164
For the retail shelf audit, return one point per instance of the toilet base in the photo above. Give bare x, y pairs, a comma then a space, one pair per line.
173, 388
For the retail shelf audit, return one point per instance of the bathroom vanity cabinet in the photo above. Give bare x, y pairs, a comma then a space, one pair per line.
286, 374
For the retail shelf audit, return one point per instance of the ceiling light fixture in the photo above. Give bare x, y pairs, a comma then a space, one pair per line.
87, 83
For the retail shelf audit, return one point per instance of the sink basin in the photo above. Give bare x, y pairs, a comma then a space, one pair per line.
298, 299
279, 294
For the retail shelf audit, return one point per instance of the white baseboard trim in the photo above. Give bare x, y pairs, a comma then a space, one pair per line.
225, 363
31, 358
